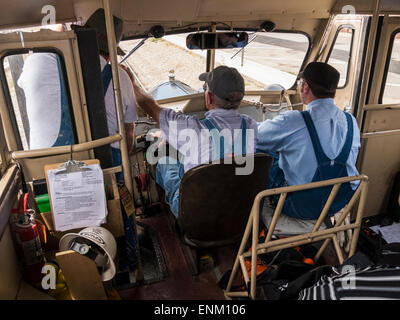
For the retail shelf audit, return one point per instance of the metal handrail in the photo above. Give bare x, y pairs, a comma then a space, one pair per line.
85, 146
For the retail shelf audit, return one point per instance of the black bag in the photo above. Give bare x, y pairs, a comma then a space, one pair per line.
370, 243
376, 248
288, 274
290, 278
284, 266
393, 208
359, 261
390, 254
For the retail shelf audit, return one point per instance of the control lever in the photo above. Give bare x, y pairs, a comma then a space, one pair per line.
141, 138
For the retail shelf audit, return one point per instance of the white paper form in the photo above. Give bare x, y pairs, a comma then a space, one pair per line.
390, 233
78, 198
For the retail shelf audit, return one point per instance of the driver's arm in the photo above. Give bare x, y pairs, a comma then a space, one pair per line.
147, 103
129, 133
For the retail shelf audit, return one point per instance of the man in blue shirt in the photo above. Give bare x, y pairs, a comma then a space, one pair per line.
194, 138
304, 140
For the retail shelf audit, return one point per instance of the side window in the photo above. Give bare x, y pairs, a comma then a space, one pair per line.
39, 99
340, 54
392, 85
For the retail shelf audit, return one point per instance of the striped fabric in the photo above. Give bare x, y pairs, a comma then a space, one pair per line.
371, 283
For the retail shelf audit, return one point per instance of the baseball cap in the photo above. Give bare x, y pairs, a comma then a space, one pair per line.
322, 75
225, 82
97, 21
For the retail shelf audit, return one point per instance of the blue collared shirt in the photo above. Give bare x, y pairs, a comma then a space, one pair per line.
193, 148
287, 134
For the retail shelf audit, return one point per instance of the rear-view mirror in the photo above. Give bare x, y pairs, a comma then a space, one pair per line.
216, 40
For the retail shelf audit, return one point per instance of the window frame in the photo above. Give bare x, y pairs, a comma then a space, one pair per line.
7, 92
306, 56
343, 26
387, 64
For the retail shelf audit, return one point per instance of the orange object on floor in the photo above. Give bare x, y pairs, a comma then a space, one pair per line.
308, 261
260, 267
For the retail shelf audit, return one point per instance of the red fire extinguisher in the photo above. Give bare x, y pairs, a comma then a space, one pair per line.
29, 247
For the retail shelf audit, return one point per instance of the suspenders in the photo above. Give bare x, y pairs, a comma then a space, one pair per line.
319, 153
308, 204
215, 130
106, 76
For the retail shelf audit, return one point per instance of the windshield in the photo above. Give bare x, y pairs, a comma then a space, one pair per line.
166, 68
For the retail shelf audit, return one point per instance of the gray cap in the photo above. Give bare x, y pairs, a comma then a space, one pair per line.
226, 83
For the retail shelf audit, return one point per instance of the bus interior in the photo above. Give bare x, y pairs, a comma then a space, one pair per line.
360, 38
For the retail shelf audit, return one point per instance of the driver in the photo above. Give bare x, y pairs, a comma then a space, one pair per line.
323, 137
229, 40
224, 91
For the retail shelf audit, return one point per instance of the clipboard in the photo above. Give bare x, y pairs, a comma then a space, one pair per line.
53, 166
57, 166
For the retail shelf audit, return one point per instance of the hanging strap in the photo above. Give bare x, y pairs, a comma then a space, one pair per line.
243, 127
106, 76
319, 152
214, 131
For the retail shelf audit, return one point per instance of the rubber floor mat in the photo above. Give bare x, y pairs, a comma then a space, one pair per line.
153, 262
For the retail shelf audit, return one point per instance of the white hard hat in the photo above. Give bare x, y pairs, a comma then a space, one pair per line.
100, 237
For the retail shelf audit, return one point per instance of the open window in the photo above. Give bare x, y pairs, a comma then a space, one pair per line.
343, 48
391, 87
39, 102
340, 54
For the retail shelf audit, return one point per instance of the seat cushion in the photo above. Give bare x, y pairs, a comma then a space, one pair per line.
286, 225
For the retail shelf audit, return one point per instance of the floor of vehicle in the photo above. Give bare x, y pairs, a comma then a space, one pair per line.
179, 283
